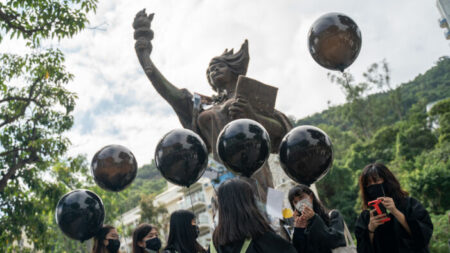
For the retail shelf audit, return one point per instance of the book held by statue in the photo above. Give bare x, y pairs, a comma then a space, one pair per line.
261, 96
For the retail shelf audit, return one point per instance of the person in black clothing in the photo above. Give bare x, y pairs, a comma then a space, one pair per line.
241, 226
183, 233
106, 240
145, 239
410, 227
316, 229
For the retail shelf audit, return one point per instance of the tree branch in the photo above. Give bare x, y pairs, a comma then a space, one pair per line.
30, 98
9, 151
12, 170
8, 18
21, 99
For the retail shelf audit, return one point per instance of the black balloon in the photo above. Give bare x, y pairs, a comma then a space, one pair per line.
334, 41
306, 154
114, 167
243, 146
80, 214
181, 157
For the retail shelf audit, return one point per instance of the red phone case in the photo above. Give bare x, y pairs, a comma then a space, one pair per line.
376, 205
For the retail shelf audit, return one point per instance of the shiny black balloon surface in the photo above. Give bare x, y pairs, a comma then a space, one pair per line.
114, 167
334, 41
243, 146
80, 214
181, 157
306, 154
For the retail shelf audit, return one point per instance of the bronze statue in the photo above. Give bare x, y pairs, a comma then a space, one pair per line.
208, 115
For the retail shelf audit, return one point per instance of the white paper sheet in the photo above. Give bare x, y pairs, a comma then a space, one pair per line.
274, 204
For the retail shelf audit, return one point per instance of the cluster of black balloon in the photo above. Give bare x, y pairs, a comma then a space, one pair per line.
181, 157
306, 153
243, 145
80, 213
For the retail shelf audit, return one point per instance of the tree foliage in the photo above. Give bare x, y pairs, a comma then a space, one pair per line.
35, 110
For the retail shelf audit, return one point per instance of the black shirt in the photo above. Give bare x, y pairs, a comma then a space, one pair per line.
269, 242
391, 236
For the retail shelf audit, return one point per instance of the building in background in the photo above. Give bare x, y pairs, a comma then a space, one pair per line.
444, 8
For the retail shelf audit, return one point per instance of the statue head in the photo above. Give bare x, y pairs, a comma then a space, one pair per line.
226, 68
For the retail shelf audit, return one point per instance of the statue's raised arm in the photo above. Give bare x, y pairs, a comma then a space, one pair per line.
179, 99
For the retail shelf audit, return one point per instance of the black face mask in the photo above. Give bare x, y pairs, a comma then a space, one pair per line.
113, 245
153, 244
375, 191
196, 230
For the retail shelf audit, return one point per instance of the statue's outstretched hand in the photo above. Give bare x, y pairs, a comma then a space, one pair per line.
142, 32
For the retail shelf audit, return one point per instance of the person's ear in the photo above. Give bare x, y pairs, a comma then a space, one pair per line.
105, 242
141, 244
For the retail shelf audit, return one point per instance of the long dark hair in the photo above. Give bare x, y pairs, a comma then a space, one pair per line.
138, 234
392, 188
318, 207
99, 238
182, 235
239, 217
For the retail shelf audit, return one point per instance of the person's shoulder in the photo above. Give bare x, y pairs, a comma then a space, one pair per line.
414, 205
271, 236
365, 214
169, 250
334, 213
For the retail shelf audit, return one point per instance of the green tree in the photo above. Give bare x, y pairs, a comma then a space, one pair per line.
382, 80
358, 107
441, 112
441, 229
35, 110
155, 215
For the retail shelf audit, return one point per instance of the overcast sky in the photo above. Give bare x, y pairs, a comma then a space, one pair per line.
118, 105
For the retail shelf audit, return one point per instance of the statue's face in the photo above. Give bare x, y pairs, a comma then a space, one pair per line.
221, 75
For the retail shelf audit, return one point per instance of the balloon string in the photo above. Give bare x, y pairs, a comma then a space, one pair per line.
124, 238
257, 188
347, 80
192, 203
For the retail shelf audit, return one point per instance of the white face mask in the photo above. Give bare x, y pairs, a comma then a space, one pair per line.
302, 203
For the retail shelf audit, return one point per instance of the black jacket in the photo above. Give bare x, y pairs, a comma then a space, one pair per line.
391, 236
267, 243
318, 237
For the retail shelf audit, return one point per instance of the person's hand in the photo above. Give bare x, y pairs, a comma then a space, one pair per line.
389, 204
299, 221
375, 221
241, 108
307, 213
